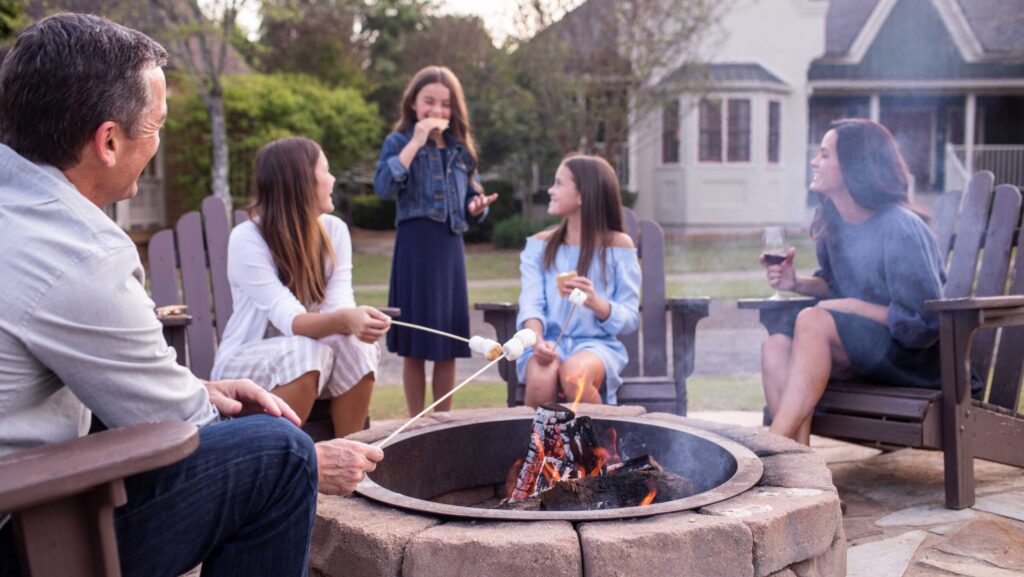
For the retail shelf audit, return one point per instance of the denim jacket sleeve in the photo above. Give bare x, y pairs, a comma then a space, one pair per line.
392, 176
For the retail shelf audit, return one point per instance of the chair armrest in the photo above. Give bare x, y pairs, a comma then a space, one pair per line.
685, 314
688, 305
497, 306
174, 334
975, 303
52, 472
776, 315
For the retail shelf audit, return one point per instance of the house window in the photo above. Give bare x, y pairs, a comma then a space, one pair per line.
670, 133
710, 130
738, 119
774, 127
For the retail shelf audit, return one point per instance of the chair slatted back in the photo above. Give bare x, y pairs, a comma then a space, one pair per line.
188, 264
1009, 362
983, 243
647, 347
944, 221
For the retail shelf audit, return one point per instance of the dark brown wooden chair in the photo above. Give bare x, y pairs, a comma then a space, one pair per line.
62, 496
647, 380
982, 328
188, 264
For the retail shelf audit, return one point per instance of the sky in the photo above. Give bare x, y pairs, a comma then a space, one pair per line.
496, 14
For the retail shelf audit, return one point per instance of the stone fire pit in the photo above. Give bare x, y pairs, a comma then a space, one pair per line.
788, 525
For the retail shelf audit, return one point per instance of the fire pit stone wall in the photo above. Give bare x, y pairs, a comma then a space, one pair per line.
789, 525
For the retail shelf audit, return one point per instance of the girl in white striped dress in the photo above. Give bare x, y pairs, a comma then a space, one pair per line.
295, 329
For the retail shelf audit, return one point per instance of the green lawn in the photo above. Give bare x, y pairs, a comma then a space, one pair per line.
739, 393
497, 264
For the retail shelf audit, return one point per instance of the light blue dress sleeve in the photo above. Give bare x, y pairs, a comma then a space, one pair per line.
625, 295
533, 303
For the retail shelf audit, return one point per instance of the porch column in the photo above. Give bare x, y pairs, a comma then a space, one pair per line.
874, 108
970, 111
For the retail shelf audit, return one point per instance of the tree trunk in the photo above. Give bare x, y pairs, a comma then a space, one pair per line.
218, 127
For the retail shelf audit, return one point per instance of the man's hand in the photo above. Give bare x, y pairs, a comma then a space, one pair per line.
240, 397
342, 464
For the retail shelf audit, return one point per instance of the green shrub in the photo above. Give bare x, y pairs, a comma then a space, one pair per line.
513, 232
371, 212
506, 206
260, 108
628, 198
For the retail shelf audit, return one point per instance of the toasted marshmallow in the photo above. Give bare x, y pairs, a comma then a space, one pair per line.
492, 350
577, 297
513, 349
527, 337
477, 344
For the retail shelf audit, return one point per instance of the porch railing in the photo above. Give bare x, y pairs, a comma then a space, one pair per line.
956, 173
1005, 161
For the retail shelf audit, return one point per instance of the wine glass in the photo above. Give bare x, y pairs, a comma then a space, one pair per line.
775, 249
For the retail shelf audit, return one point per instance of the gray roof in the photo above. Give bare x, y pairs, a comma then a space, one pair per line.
998, 24
724, 74
844, 21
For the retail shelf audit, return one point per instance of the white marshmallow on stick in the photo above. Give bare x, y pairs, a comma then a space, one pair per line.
492, 349
477, 344
527, 337
513, 349
577, 297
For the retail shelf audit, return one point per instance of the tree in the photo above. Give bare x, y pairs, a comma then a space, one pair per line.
12, 19
314, 37
605, 64
200, 42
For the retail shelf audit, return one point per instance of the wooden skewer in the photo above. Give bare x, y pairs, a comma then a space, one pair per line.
568, 317
429, 330
438, 402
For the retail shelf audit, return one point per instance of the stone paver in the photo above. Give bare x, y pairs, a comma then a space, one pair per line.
884, 558
970, 569
925, 515
472, 549
674, 544
1009, 505
995, 541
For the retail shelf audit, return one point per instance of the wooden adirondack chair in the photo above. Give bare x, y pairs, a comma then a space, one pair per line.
62, 496
646, 378
196, 251
980, 302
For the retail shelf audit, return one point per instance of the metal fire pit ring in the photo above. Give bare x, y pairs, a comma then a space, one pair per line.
433, 461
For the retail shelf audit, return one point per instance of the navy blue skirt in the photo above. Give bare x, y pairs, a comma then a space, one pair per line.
428, 282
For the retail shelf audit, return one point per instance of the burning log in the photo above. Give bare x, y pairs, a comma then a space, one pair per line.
620, 488
561, 446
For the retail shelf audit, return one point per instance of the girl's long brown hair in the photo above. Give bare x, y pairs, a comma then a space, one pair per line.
458, 124
287, 207
600, 213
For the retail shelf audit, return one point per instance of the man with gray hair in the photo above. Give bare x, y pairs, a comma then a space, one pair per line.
82, 101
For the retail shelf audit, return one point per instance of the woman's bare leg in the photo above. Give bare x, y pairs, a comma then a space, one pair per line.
414, 380
348, 411
582, 369
816, 351
541, 383
444, 381
300, 393
775, 353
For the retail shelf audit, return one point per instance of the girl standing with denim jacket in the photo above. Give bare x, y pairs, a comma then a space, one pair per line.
429, 165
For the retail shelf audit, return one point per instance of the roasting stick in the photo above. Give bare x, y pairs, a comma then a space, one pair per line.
568, 317
439, 401
577, 298
429, 330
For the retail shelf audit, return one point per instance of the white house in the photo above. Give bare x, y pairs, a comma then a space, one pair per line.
735, 156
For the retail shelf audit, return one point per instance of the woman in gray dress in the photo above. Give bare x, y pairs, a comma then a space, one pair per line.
878, 264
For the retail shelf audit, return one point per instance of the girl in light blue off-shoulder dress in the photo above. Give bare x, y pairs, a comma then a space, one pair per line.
591, 242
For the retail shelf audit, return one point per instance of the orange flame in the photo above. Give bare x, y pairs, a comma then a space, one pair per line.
649, 498
579, 391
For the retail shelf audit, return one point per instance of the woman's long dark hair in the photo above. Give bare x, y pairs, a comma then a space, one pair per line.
458, 123
873, 170
600, 212
289, 217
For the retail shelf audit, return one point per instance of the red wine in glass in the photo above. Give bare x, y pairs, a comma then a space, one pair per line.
771, 258
775, 248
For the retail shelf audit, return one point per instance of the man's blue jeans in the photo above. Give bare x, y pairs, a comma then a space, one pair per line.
242, 504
